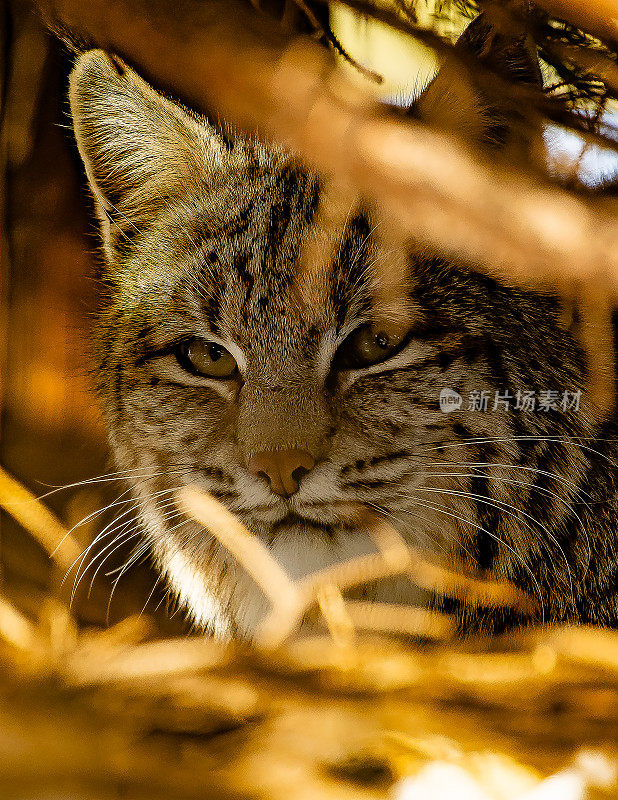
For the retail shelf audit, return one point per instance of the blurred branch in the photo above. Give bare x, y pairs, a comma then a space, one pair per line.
15, 629
598, 16
223, 56
120, 712
596, 64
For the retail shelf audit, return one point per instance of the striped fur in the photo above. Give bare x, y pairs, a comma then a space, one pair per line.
202, 236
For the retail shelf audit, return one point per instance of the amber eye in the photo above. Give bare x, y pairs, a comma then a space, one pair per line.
208, 359
367, 345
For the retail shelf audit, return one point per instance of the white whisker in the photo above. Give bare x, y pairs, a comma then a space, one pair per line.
512, 511
442, 510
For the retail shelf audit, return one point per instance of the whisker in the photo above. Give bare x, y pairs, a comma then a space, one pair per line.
102, 478
505, 465
573, 440
141, 551
92, 515
165, 518
149, 598
532, 487
120, 541
512, 511
134, 504
133, 559
128, 529
511, 481
79, 560
518, 556
121, 569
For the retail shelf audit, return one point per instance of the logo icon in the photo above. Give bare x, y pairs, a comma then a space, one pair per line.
450, 400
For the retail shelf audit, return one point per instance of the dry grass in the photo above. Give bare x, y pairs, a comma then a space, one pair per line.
85, 712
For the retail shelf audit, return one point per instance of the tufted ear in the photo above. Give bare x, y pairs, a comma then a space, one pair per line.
456, 101
138, 147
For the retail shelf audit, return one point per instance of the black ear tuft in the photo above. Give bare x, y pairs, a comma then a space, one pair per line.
513, 56
476, 104
75, 43
117, 64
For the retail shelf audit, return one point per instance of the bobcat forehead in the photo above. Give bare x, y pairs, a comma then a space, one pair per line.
338, 342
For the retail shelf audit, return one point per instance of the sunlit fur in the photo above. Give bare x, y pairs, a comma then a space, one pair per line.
202, 236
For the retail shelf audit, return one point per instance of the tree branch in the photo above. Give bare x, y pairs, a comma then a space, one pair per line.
224, 57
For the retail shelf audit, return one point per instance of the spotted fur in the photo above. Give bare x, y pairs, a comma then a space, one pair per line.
202, 235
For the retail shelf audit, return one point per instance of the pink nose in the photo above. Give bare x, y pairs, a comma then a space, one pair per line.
283, 469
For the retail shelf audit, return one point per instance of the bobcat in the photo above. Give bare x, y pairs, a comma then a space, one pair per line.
212, 372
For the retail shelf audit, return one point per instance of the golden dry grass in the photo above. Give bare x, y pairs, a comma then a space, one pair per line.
348, 714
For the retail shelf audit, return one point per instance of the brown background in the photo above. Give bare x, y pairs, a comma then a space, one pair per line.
50, 428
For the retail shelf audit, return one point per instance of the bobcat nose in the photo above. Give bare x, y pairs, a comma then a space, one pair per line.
283, 469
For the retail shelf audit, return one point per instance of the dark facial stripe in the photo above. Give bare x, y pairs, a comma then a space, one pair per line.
214, 283
118, 393
487, 515
217, 474
362, 465
349, 270
246, 277
371, 484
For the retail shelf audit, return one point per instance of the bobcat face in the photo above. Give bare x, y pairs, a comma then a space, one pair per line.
286, 389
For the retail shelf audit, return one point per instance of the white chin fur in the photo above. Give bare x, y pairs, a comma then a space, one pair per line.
191, 589
240, 605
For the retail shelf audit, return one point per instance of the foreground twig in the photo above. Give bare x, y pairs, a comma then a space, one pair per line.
39, 521
600, 16
16, 629
291, 601
246, 548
